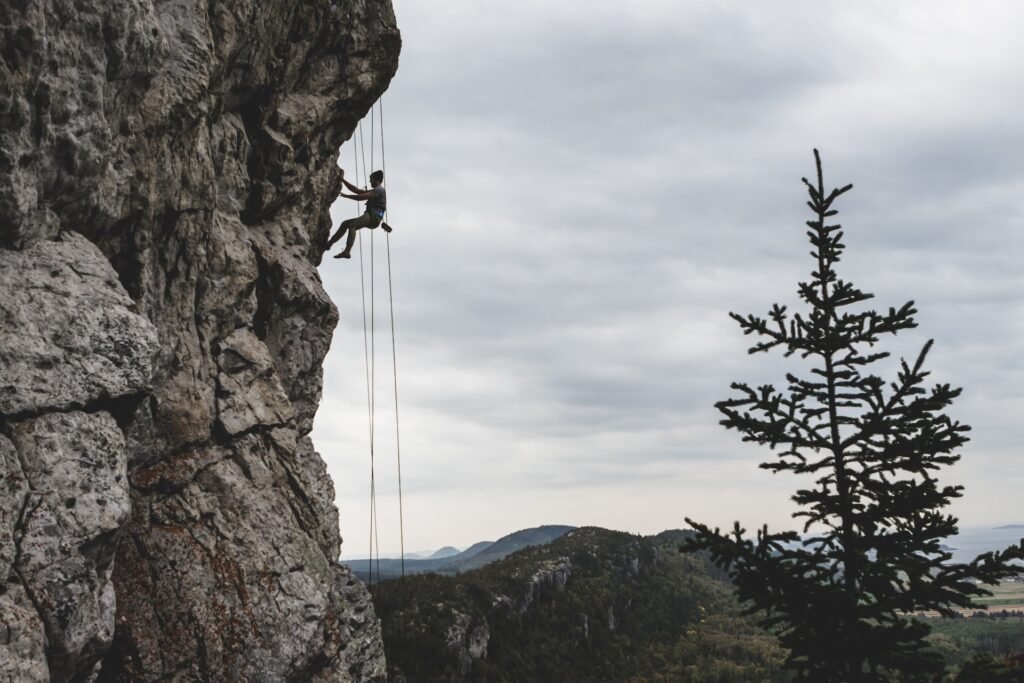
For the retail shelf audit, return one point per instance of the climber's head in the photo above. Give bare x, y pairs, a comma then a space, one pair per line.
376, 178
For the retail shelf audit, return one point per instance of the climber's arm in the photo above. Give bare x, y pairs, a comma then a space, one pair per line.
351, 186
358, 196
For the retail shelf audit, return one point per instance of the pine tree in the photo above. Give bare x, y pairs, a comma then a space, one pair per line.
843, 596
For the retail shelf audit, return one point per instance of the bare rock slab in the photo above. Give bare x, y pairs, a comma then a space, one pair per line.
69, 336
75, 466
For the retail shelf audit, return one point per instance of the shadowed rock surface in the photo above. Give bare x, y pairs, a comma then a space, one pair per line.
166, 170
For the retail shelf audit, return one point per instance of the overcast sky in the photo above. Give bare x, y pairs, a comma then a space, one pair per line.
581, 192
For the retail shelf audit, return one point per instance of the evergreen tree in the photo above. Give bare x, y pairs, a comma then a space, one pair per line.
842, 598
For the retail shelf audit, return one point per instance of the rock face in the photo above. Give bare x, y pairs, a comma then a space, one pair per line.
166, 169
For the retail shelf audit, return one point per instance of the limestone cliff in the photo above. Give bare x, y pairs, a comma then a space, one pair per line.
166, 168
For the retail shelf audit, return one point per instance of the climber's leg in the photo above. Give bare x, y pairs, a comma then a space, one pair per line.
352, 225
345, 225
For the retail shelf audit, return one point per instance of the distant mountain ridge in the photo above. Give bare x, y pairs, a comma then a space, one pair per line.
476, 548
473, 557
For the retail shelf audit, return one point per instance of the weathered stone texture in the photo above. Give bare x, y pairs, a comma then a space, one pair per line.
166, 169
12, 492
279, 598
75, 466
71, 350
22, 646
68, 332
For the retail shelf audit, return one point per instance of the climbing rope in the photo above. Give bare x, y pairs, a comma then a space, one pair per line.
394, 352
369, 349
369, 355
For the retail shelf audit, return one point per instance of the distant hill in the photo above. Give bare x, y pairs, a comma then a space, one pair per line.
477, 555
506, 545
446, 551
476, 548
591, 605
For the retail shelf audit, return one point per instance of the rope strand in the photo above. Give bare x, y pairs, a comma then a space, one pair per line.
369, 348
394, 354
373, 384
370, 363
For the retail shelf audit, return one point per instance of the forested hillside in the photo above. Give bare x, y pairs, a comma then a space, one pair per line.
593, 605
598, 605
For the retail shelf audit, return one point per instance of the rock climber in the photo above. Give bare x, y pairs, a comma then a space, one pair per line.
376, 204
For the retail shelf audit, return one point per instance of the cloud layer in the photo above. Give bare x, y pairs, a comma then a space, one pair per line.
582, 191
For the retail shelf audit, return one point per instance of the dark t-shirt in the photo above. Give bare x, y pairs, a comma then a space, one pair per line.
378, 202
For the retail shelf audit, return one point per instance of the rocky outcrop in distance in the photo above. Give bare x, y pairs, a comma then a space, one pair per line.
166, 170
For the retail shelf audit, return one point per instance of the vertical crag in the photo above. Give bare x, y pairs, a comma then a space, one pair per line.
165, 173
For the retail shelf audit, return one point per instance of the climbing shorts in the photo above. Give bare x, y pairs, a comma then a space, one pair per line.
367, 220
